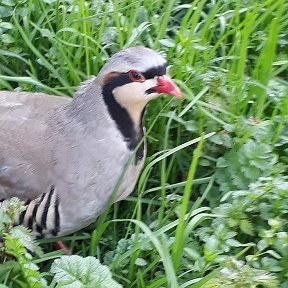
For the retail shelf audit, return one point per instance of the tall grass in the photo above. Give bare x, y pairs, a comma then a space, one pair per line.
229, 58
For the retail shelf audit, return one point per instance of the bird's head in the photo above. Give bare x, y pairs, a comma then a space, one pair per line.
136, 75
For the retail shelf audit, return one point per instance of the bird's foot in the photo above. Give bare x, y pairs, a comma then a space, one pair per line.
59, 245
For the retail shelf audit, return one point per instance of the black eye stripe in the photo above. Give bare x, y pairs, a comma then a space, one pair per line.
123, 78
120, 80
155, 71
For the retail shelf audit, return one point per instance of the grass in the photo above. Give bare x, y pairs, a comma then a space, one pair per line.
230, 60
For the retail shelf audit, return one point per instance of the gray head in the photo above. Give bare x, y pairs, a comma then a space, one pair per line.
128, 80
137, 58
136, 75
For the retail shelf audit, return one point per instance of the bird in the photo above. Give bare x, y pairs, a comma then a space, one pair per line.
63, 156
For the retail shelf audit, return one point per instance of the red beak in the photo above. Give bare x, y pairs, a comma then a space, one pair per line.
167, 86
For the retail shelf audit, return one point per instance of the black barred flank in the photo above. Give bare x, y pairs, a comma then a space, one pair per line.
21, 217
42, 206
46, 208
39, 230
30, 222
32, 218
42, 197
56, 218
27, 202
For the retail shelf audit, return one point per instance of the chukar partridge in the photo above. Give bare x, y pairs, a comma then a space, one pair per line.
63, 156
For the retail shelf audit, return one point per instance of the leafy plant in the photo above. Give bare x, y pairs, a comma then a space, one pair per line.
17, 241
18, 244
238, 275
253, 155
254, 218
76, 271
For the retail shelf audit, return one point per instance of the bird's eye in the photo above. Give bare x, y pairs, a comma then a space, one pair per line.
136, 76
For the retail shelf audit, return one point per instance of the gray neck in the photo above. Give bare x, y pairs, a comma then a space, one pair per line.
87, 106
95, 106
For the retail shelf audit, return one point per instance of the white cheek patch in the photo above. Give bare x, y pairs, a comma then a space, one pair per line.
133, 97
135, 93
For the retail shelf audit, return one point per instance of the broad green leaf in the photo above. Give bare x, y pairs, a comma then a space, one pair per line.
78, 272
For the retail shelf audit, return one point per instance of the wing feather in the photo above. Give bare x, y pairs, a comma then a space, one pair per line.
25, 153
